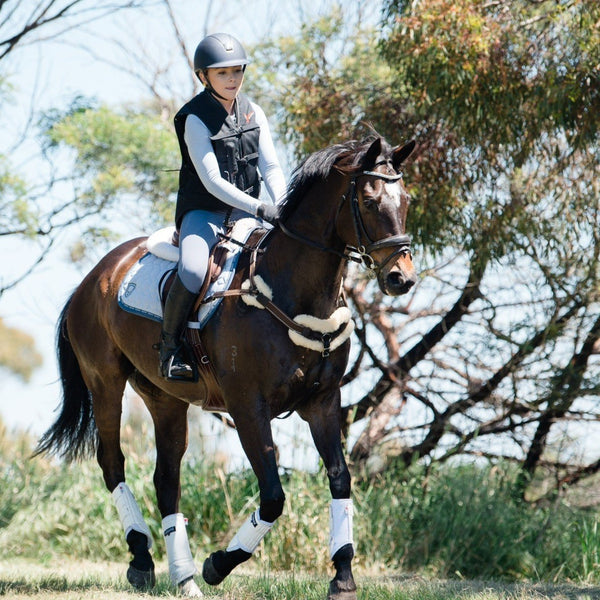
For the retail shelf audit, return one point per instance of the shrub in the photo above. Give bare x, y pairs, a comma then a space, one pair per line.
453, 520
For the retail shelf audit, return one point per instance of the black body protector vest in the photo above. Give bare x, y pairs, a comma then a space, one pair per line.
235, 143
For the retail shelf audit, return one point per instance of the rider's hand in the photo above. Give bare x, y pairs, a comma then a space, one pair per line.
268, 213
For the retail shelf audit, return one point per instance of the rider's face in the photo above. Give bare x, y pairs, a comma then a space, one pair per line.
226, 81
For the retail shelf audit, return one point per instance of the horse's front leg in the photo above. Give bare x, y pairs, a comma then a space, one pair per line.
170, 424
323, 416
254, 430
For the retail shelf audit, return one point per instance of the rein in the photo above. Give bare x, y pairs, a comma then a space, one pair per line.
361, 253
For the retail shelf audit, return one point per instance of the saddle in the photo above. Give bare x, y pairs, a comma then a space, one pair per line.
145, 286
192, 341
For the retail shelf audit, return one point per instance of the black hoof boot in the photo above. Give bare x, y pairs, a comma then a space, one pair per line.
219, 564
141, 569
141, 580
210, 574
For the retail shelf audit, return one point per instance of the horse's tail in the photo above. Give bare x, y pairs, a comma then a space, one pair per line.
73, 435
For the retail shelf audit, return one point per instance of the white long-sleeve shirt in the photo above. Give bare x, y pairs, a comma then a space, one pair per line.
197, 139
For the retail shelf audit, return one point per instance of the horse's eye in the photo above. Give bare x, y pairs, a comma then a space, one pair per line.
370, 202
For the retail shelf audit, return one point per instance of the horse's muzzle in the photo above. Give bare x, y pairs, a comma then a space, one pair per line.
396, 273
396, 283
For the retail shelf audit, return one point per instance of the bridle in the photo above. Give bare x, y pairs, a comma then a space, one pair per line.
362, 252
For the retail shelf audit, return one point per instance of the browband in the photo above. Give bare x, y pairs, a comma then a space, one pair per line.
389, 178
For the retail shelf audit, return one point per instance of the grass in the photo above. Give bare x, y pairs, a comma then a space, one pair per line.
452, 527
70, 580
459, 522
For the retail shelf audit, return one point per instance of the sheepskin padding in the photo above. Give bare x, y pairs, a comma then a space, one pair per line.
333, 323
160, 243
261, 286
336, 320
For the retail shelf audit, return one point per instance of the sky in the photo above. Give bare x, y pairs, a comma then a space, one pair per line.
47, 74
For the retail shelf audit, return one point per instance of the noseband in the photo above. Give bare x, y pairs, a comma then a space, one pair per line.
361, 253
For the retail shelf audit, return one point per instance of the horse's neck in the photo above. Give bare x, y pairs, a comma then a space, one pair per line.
307, 276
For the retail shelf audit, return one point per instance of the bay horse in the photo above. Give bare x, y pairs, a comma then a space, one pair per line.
346, 202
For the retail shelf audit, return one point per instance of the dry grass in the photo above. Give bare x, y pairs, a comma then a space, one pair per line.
87, 580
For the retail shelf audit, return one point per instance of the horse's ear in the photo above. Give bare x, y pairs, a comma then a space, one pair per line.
371, 155
401, 153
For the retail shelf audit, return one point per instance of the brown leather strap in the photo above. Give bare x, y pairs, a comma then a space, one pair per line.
214, 399
261, 298
215, 264
224, 294
266, 302
206, 282
280, 315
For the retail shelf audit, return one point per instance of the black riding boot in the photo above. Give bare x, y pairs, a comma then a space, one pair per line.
179, 302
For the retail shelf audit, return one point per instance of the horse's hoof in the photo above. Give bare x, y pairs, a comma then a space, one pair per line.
342, 590
210, 574
189, 589
141, 580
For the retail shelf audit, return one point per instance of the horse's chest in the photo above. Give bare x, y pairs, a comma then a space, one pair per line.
307, 377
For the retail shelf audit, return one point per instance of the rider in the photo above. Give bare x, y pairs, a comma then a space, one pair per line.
225, 141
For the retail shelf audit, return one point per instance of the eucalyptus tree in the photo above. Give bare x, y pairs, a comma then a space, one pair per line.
495, 352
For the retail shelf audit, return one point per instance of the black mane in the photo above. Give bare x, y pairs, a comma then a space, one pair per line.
345, 158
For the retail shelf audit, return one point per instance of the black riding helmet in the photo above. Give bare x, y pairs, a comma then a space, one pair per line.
219, 50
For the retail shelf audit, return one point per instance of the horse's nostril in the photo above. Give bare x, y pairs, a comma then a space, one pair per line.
394, 279
396, 284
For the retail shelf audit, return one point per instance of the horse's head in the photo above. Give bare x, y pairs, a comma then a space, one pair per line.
359, 212
375, 224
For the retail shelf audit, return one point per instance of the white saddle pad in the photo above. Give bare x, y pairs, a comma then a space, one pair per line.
141, 289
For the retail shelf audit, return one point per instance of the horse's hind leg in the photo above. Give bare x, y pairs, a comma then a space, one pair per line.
170, 424
107, 389
93, 373
323, 417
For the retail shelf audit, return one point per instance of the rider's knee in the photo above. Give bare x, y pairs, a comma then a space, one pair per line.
192, 277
